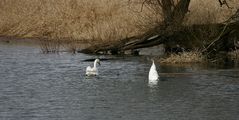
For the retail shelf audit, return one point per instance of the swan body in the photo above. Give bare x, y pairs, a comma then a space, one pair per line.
153, 74
93, 71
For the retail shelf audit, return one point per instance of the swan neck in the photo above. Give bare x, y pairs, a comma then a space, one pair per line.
95, 64
152, 61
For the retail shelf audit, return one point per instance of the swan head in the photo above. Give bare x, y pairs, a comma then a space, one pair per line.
97, 61
152, 60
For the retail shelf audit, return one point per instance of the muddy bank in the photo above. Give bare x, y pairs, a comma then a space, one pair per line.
47, 45
68, 45
18, 41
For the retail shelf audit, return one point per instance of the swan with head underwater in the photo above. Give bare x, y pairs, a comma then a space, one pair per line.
93, 71
153, 74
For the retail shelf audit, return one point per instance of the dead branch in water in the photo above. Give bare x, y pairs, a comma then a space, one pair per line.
50, 46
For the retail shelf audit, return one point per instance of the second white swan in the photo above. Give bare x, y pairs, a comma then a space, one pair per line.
93, 71
153, 74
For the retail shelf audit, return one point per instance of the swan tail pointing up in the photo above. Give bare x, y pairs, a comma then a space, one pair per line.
153, 74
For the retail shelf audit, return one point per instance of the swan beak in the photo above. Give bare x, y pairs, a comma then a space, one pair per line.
99, 63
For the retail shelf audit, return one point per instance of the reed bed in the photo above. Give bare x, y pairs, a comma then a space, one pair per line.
93, 20
209, 11
184, 58
100, 20
50, 46
71, 46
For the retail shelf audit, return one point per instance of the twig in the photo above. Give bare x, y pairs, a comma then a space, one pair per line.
218, 38
224, 2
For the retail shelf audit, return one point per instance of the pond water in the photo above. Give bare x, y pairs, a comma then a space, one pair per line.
54, 87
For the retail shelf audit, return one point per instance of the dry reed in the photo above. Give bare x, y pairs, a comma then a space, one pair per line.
184, 57
209, 11
50, 46
71, 46
92, 20
100, 20
234, 55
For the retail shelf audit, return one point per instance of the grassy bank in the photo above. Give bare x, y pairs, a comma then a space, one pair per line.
96, 21
91, 20
184, 58
74, 19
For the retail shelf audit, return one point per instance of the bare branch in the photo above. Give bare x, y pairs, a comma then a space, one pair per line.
222, 2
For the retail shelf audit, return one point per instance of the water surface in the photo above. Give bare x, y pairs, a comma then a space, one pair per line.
54, 87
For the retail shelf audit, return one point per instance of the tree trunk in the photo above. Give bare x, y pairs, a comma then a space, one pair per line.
174, 15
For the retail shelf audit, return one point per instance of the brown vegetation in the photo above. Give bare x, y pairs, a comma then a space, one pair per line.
184, 57
101, 20
50, 46
113, 23
234, 55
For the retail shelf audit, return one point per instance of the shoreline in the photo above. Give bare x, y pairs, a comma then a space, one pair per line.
18, 40
61, 44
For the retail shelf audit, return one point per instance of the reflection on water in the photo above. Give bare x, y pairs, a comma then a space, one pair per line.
54, 86
153, 84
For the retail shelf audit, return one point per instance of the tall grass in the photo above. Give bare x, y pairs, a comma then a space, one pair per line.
92, 20
209, 11
76, 19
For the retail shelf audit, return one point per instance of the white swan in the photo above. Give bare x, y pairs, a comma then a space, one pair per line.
153, 74
92, 71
